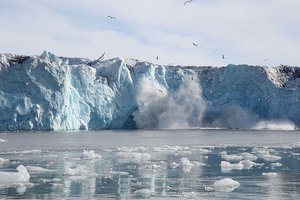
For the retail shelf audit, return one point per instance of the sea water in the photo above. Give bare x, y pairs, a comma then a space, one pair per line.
158, 164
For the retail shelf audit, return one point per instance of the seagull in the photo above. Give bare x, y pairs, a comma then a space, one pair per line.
111, 17
195, 44
223, 57
101, 57
159, 90
189, 1
156, 57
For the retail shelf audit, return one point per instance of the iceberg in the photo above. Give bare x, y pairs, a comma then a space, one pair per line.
49, 92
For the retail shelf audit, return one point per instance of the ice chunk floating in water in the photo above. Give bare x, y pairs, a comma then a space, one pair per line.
143, 193
22, 176
226, 185
91, 154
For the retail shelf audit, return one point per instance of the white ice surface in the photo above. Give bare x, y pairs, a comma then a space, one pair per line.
90, 154
226, 185
21, 176
143, 193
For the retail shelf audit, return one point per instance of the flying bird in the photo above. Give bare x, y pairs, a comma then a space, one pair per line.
159, 90
101, 57
189, 1
195, 44
156, 57
265, 59
223, 57
111, 17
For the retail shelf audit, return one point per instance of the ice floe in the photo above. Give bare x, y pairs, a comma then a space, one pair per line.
2, 140
227, 166
209, 189
276, 164
174, 165
143, 193
90, 154
21, 176
226, 185
244, 164
36, 169
80, 171
189, 195
186, 165
232, 157
270, 158
3, 160
270, 174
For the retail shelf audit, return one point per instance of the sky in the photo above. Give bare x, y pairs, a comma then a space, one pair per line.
255, 32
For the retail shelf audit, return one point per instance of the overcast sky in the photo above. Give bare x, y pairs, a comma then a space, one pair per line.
245, 31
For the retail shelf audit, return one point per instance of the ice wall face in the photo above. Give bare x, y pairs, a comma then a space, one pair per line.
241, 96
51, 93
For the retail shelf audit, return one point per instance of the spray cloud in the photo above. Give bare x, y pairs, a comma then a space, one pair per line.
158, 108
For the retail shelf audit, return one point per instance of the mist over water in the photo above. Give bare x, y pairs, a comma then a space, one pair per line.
235, 117
286, 125
158, 108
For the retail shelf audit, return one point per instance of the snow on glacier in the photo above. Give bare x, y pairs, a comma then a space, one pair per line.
48, 92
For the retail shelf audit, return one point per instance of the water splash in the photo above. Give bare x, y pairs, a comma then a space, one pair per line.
275, 125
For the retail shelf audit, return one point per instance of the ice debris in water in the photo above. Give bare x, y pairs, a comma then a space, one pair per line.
248, 156
79, 170
132, 157
226, 185
232, 157
189, 195
238, 157
270, 174
264, 153
276, 164
186, 165
174, 165
244, 164
270, 158
143, 193
22, 176
3, 160
91, 154
121, 173
226, 166
209, 189
36, 169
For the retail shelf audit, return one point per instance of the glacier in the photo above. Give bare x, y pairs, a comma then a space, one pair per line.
49, 92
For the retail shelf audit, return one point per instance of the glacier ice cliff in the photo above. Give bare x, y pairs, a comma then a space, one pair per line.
48, 92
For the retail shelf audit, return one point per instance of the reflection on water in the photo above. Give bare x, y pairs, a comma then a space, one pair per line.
155, 172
